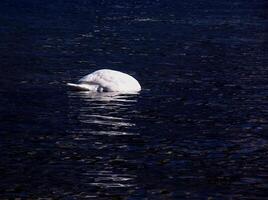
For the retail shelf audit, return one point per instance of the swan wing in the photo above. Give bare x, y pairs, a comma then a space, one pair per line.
112, 81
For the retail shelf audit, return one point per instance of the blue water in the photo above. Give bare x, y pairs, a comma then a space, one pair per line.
197, 130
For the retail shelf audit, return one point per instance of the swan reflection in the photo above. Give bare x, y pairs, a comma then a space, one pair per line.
93, 117
105, 96
103, 113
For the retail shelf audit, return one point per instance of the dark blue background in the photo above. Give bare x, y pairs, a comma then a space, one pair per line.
197, 130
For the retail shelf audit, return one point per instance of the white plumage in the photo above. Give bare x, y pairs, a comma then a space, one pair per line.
106, 80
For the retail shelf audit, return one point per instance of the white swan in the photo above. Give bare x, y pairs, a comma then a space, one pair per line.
106, 80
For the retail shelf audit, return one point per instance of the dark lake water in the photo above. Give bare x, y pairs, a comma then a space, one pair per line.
197, 130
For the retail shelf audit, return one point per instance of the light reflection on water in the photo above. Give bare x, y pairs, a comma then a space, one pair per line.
102, 115
106, 110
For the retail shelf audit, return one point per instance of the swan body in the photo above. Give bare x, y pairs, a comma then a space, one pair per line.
106, 80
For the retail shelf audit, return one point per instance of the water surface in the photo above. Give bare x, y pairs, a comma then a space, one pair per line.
197, 130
